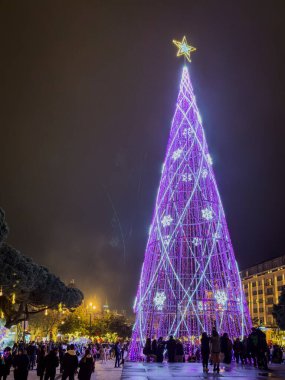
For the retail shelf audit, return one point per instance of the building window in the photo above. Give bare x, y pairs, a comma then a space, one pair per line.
259, 283
246, 294
260, 300
246, 286
261, 320
270, 300
253, 284
260, 291
261, 310
255, 311
280, 287
270, 309
254, 293
269, 291
279, 278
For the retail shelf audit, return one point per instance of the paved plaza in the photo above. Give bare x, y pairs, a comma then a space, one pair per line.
178, 371
102, 372
165, 371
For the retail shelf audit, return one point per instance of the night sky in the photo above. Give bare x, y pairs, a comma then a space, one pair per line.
88, 91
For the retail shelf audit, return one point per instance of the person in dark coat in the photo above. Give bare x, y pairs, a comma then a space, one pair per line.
253, 345
205, 351
69, 363
262, 350
237, 347
171, 348
160, 350
41, 362
31, 352
21, 365
179, 351
86, 366
51, 363
6, 363
147, 349
117, 349
226, 348
154, 349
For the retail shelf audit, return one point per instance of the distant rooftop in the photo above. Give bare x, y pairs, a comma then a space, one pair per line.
264, 266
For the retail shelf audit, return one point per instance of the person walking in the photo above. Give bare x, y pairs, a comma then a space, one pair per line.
160, 349
51, 362
103, 355
86, 366
41, 362
171, 349
253, 345
31, 352
237, 347
205, 351
226, 348
215, 349
21, 365
179, 351
69, 363
6, 363
117, 350
147, 349
154, 349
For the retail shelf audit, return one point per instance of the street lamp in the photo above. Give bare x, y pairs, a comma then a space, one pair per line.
91, 308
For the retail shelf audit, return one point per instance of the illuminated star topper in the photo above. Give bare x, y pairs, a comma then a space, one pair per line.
184, 48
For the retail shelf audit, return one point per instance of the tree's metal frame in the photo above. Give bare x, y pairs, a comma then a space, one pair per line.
190, 279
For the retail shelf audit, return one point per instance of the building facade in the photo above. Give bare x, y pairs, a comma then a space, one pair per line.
262, 285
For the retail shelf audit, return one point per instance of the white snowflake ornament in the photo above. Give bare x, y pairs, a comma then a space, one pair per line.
177, 153
207, 213
159, 300
166, 220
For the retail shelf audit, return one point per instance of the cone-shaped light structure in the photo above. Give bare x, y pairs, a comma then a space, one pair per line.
190, 279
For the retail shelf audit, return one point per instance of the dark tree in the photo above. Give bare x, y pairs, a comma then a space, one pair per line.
279, 310
29, 288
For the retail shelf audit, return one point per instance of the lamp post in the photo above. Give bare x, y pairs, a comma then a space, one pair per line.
90, 307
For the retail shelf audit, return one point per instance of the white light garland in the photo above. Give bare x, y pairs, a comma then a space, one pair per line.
204, 173
209, 159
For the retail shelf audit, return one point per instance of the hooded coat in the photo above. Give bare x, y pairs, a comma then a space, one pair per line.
70, 362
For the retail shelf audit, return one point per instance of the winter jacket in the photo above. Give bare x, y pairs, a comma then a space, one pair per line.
21, 365
86, 367
215, 345
179, 349
205, 346
70, 362
51, 362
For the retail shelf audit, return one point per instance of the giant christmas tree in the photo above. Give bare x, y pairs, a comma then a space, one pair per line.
190, 279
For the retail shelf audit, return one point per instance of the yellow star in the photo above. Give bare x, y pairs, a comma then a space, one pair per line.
184, 48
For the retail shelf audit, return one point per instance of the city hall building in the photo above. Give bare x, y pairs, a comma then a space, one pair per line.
262, 285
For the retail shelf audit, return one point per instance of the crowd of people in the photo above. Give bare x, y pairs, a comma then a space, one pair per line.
69, 359
214, 349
